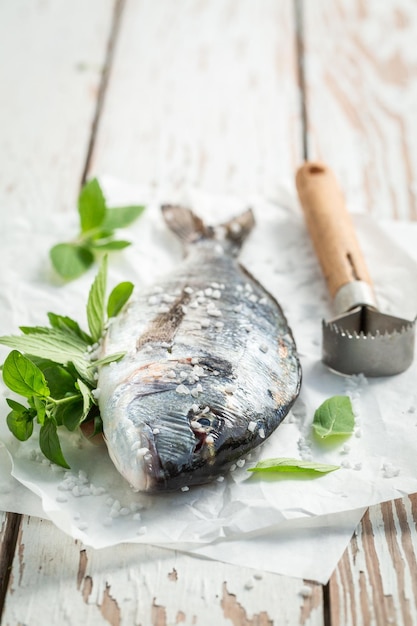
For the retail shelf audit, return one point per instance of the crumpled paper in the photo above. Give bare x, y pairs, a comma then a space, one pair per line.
290, 525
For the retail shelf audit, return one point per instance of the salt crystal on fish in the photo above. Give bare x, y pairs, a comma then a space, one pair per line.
240, 462
262, 433
211, 310
188, 290
182, 389
142, 452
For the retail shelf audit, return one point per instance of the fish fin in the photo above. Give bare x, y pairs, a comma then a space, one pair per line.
185, 224
238, 228
191, 228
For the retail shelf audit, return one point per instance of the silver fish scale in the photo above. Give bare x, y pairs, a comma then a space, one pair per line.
210, 371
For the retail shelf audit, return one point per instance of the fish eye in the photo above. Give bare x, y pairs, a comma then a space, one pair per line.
204, 421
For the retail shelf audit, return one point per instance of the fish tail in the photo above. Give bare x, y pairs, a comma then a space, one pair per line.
190, 228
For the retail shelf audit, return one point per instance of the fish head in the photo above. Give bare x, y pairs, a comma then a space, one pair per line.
162, 440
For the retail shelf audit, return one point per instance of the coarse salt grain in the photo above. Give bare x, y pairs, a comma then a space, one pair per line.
185, 488
182, 390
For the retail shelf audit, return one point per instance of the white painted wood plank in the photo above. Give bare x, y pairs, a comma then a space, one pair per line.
52, 54
376, 581
362, 96
135, 584
203, 94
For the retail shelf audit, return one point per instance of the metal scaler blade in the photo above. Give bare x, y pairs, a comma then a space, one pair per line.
360, 339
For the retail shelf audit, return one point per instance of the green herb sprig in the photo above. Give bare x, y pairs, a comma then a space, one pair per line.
98, 223
54, 368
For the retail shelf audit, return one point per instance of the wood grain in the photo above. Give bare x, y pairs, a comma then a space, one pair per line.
134, 584
203, 97
361, 68
9, 528
376, 580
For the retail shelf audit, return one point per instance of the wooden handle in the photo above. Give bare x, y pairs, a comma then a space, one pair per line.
330, 226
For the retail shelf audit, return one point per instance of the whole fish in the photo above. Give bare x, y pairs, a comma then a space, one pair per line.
210, 370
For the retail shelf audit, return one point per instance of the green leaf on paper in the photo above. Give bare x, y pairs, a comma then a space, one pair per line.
50, 445
334, 418
297, 466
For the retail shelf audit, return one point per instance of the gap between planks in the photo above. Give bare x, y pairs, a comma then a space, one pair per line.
10, 532
108, 61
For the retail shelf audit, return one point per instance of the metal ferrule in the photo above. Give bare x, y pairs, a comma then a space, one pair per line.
354, 294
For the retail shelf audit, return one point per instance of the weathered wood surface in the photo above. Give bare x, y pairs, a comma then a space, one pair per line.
361, 83
206, 96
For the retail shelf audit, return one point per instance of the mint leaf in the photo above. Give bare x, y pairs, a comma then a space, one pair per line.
60, 381
54, 345
24, 377
334, 417
292, 465
111, 358
70, 260
66, 324
91, 206
120, 217
20, 420
70, 413
118, 298
87, 397
110, 246
49, 443
96, 302
97, 226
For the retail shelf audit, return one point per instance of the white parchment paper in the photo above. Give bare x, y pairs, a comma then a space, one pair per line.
293, 526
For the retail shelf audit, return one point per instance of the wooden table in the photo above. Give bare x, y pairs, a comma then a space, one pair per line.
229, 96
